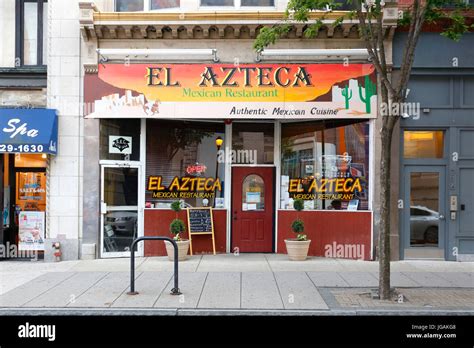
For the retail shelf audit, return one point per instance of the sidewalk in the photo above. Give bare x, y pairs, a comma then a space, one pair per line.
226, 283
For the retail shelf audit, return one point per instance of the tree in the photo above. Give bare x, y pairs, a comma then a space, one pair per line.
369, 13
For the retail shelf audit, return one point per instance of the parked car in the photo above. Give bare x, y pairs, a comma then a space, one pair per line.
122, 222
423, 225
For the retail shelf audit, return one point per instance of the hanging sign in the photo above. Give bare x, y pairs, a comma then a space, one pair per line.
228, 91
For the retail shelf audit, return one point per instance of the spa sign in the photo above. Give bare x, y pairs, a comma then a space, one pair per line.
183, 187
228, 91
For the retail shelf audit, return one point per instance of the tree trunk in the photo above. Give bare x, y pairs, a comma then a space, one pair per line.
384, 228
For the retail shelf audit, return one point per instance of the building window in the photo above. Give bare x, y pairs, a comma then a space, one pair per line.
120, 139
129, 5
325, 163
217, 2
252, 143
423, 144
257, 3
144, 5
163, 4
186, 154
32, 35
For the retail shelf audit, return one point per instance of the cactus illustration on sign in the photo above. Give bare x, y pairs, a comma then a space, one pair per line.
347, 94
370, 90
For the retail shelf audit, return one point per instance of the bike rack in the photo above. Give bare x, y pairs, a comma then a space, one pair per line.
175, 290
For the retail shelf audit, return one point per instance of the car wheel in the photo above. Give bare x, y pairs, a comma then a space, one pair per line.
431, 235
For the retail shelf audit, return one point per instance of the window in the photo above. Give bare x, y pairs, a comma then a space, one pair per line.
31, 41
257, 3
162, 4
144, 5
129, 5
253, 193
120, 139
423, 144
252, 143
325, 163
217, 2
186, 154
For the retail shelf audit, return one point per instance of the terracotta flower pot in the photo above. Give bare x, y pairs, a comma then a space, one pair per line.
297, 249
183, 247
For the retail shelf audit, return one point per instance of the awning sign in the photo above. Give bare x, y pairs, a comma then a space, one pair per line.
228, 91
28, 131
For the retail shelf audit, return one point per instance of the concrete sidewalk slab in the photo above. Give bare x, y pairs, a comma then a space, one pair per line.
327, 279
399, 279
104, 292
298, 291
281, 263
429, 279
359, 279
24, 293
107, 265
459, 279
10, 280
191, 285
67, 291
234, 263
259, 290
162, 264
221, 290
149, 285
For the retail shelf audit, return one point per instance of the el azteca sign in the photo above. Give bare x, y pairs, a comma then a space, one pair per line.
261, 91
183, 187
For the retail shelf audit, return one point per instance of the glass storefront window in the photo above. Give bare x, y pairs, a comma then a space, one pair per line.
182, 163
120, 139
252, 143
423, 144
325, 163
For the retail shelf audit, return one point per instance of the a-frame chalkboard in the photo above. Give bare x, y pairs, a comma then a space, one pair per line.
200, 222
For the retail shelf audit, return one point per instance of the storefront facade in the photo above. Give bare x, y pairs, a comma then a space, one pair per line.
244, 137
436, 156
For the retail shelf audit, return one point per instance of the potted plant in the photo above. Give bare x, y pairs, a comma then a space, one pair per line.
298, 247
177, 226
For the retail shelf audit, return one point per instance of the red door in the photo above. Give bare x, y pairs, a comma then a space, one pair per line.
252, 209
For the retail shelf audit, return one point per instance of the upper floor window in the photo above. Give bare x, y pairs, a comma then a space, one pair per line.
217, 2
32, 35
238, 3
144, 5
257, 3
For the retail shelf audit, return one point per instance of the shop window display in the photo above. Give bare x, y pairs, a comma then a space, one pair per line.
325, 163
182, 162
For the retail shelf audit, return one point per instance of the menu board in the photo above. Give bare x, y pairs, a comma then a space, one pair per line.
200, 220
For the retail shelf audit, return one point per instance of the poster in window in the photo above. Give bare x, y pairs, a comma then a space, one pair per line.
31, 230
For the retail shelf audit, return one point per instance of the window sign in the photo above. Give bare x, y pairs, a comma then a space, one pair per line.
120, 144
31, 230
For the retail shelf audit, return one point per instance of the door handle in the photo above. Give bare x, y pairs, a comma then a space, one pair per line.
441, 217
234, 215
